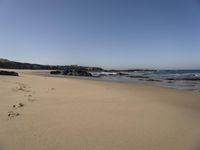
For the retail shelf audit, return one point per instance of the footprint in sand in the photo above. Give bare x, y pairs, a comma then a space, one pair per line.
21, 87
18, 105
30, 98
12, 114
50, 89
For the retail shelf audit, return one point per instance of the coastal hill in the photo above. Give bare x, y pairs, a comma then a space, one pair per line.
7, 64
4, 60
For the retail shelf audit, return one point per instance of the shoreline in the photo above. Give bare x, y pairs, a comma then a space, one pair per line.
46, 73
139, 82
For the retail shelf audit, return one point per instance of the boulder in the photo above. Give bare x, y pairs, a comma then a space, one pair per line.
8, 73
55, 72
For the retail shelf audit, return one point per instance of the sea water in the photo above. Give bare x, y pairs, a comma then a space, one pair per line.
179, 79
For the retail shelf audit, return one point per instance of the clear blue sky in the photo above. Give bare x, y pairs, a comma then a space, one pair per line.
105, 33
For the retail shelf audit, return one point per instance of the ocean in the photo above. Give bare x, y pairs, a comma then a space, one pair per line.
178, 79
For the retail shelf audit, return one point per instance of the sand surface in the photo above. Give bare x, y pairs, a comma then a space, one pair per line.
72, 114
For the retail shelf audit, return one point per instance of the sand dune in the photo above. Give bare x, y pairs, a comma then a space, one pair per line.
58, 113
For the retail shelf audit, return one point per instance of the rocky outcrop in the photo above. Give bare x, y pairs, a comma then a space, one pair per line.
8, 73
76, 72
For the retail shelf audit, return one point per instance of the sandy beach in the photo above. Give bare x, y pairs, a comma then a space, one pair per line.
49, 113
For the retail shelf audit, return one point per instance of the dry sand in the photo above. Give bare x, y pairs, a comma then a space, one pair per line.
72, 114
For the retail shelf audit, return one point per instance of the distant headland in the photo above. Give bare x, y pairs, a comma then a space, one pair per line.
8, 64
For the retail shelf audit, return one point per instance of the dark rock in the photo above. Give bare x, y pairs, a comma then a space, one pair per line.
122, 74
171, 79
184, 79
55, 72
76, 72
9, 73
153, 80
139, 77
191, 79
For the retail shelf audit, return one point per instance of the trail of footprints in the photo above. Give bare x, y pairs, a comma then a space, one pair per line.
23, 88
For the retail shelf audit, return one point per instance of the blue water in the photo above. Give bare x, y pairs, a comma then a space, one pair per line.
179, 79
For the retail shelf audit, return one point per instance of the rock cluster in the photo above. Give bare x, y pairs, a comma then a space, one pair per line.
76, 72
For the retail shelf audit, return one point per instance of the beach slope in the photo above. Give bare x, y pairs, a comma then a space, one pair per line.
46, 113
